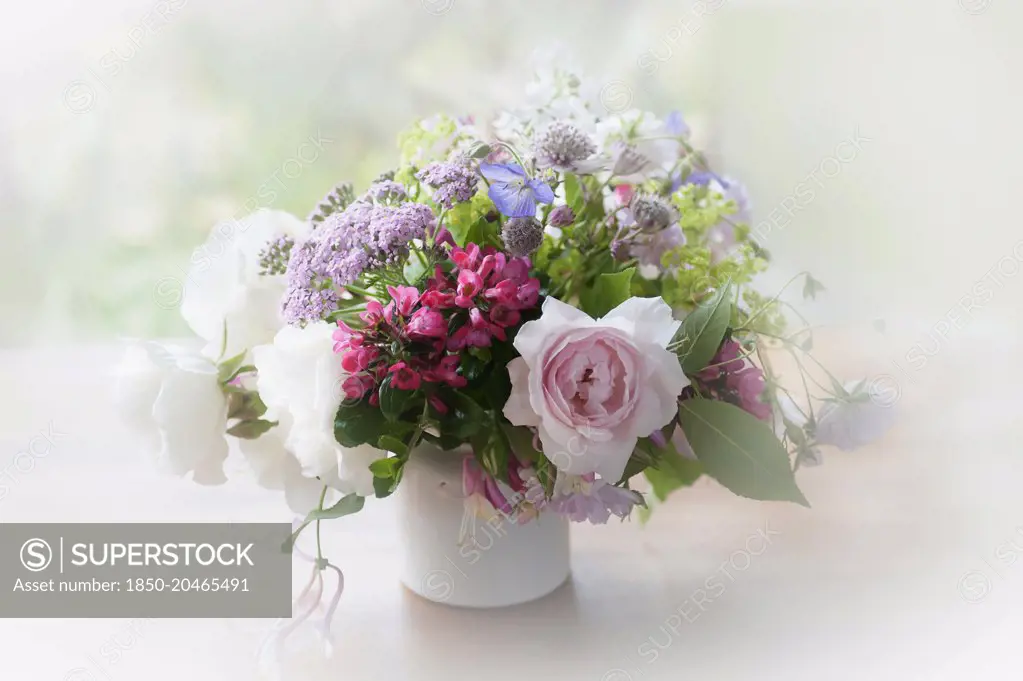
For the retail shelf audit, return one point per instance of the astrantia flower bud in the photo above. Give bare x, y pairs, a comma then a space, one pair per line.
562, 216
522, 236
652, 214
562, 145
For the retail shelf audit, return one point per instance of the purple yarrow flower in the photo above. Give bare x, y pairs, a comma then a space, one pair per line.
513, 192
386, 191
363, 236
453, 182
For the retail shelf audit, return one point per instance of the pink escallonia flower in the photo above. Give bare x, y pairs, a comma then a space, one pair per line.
470, 285
404, 298
354, 387
375, 313
345, 337
427, 323
404, 376
358, 359
445, 371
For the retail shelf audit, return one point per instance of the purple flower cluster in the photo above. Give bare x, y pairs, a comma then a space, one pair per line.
363, 236
386, 191
733, 378
452, 182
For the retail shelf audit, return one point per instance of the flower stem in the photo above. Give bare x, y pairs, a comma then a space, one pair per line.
319, 548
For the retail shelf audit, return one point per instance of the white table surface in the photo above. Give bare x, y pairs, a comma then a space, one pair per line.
869, 584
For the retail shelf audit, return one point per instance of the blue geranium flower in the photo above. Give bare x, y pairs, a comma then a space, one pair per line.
512, 191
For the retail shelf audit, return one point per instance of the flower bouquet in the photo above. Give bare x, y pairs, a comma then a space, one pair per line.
553, 302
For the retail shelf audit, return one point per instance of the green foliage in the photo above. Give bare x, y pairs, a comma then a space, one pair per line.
360, 423
387, 472
244, 405
607, 292
229, 368
394, 401
250, 430
349, 504
739, 451
468, 221
664, 481
766, 314
417, 268
703, 329
491, 446
520, 439
389, 443
811, 287
427, 140
465, 416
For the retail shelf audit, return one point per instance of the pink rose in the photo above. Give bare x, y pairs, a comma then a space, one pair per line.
593, 387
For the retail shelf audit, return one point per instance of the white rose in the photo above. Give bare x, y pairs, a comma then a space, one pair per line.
593, 387
299, 380
171, 396
276, 468
224, 289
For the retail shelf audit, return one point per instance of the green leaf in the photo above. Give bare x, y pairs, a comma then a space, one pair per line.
393, 401
387, 474
520, 438
386, 468
465, 416
245, 405
444, 442
462, 222
416, 268
546, 473
574, 194
390, 443
607, 292
703, 330
349, 504
667, 470
383, 487
663, 483
228, 369
361, 423
739, 451
250, 430
479, 150
492, 449
811, 287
